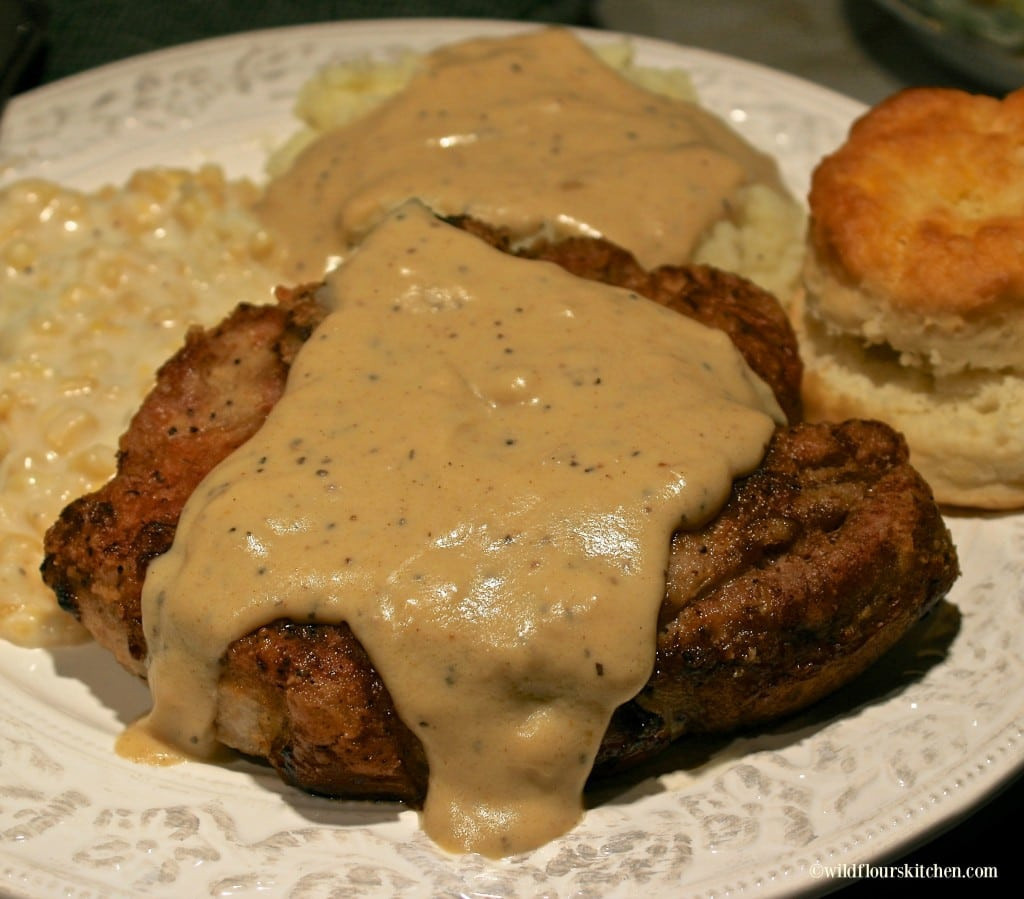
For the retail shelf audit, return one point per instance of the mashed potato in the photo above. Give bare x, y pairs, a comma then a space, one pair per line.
100, 287
761, 238
340, 93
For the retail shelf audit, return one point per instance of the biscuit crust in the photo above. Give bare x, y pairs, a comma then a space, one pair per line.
917, 226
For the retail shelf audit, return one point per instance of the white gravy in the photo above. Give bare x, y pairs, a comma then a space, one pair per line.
477, 464
532, 132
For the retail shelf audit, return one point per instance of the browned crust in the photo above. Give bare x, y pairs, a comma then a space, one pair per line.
823, 558
922, 203
306, 698
216, 392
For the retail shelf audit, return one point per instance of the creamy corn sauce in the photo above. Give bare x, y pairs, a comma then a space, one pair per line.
98, 288
532, 132
477, 464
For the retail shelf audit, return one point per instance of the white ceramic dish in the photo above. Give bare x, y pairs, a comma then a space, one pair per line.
936, 727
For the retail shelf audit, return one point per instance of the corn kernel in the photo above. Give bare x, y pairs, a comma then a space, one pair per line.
111, 274
20, 255
79, 340
67, 427
95, 463
15, 548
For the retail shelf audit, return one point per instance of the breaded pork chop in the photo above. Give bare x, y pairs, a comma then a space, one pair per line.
818, 563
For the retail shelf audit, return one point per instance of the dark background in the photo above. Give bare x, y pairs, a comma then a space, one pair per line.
83, 34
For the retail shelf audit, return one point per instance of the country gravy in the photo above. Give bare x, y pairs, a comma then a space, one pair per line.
477, 464
532, 132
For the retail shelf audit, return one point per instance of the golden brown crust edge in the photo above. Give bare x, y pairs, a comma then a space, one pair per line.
913, 311
916, 224
208, 399
820, 562
923, 201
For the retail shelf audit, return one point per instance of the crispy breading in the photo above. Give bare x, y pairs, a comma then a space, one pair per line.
822, 559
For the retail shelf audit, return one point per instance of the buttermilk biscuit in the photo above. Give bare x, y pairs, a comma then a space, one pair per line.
914, 305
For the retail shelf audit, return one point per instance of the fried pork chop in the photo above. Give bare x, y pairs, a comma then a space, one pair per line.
819, 562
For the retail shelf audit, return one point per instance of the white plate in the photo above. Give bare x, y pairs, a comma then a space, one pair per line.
926, 735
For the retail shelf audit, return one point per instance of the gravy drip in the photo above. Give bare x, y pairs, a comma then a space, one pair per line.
528, 132
477, 464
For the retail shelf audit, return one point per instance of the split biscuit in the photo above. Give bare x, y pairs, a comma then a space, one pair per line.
914, 287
